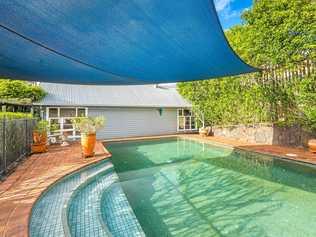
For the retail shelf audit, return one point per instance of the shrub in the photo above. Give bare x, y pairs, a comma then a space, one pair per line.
42, 126
15, 115
88, 125
20, 90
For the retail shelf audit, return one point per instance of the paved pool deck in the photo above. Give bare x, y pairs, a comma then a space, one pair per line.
296, 154
21, 189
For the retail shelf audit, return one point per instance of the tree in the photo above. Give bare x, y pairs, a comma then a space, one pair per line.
13, 89
276, 32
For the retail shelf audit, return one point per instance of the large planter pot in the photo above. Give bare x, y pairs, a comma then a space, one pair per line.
312, 145
87, 144
39, 142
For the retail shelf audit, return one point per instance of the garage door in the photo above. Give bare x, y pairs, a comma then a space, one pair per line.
131, 122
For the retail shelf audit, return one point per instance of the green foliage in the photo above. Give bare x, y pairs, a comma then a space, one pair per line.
276, 32
20, 90
42, 126
13, 115
226, 101
89, 125
307, 102
273, 32
244, 100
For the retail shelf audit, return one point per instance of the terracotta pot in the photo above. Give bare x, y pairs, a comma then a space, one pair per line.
39, 138
312, 145
87, 144
39, 142
40, 148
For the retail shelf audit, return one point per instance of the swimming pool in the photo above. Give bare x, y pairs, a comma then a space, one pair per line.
179, 187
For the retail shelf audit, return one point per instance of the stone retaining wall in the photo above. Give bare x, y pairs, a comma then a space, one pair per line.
265, 133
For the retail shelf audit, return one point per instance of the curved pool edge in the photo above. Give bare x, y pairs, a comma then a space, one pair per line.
77, 190
123, 210
100, 156
91, 193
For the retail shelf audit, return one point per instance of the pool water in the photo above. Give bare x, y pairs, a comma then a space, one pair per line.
179, 187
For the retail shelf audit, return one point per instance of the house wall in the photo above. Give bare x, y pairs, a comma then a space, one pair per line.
130, 122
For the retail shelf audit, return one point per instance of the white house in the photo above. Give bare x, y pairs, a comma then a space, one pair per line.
130, 111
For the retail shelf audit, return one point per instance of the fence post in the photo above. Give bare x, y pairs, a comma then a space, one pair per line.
4, 155
26, 140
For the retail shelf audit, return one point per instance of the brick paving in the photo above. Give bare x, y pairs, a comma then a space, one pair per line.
21, 189
297, 154
300, 154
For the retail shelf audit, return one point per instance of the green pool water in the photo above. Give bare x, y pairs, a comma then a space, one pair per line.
185, 188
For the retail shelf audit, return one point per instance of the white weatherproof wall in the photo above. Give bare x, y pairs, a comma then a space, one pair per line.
131, 122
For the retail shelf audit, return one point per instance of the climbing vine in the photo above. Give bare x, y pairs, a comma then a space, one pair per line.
244, 100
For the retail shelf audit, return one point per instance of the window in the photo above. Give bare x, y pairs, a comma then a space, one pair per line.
186, 120
181, 123
52, 112
68, 112
81, 112
62, 119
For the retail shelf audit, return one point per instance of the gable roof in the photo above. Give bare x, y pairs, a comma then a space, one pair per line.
111, 96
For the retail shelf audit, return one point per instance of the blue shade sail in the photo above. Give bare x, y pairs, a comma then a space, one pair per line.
114, 41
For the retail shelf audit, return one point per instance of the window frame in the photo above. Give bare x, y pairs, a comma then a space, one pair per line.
184, 117
61, 120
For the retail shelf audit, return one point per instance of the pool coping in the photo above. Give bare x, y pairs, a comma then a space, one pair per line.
280, 157
249, 148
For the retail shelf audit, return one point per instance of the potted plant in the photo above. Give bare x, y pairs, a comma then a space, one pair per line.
88, 127
40, 137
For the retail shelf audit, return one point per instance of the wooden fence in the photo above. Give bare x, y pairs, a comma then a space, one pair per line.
286, 73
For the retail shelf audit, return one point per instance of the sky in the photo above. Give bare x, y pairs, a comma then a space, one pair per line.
229, 11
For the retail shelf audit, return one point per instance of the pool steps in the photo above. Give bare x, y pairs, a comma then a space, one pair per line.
93, 224
109, 214
47, 218
122, 221
51, 214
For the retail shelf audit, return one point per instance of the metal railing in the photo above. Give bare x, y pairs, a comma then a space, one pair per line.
15, 141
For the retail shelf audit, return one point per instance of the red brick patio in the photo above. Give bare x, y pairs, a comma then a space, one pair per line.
21, 189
